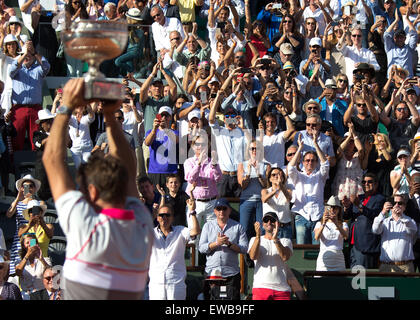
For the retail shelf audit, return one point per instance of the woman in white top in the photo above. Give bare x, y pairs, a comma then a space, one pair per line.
276, 198
30, 270
331, 231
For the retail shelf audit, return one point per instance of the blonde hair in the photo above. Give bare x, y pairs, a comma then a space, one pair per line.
386, 140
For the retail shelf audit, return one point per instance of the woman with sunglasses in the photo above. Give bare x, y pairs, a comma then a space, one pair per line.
31, 268
331, 231
350, 155
252, 179
288, 33
343, 91
401, 175
27, 188
276, 198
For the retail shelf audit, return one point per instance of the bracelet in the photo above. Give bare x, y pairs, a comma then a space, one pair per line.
193, 213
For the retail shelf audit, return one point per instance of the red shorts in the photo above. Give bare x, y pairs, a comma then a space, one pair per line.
269, 294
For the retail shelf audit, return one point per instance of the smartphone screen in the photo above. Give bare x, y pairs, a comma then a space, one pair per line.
203, 96
347, 10
25, 189
32, 243
159, 116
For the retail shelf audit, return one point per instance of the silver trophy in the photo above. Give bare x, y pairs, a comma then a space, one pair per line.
95, 42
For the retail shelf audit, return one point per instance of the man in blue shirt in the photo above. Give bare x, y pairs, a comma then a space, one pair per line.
27, 72
333, 109
222, 239
397, 51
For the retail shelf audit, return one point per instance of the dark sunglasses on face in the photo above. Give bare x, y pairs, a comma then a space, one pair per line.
177, 38
400, 203
221, 208
356, 35
253, 149
156, 15
269, 220
312, 108
342, 80
290, 154
48, 278
312, 125
164, 215
361, 104
227, 116
367, 182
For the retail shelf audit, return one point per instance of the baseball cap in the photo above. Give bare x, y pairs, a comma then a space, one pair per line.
165, 109
288, 65
194, 114
286, 48
230, 110
403, 152
315, 42
271, 215
155, 80
330, 83
222, 202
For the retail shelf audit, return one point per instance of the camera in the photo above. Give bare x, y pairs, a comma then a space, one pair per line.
221, 26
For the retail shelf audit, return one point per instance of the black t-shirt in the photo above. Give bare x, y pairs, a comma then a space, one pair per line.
365, 127
401, 133
179, 203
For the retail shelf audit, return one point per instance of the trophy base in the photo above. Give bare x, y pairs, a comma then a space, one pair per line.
104, 90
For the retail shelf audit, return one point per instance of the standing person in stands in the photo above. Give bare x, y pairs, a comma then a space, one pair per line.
168, 274
331, 231
270, 254
222, 239
106, 211
398, 233
28, 73
362, 210
309, 189
27, 187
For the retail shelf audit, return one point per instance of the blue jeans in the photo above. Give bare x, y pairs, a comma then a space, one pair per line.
250, 212
285, 232
305, 230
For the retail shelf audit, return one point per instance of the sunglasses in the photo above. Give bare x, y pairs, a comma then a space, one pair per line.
221, 208
177, 38
288, 21
29, 185
312, 108
312, 125
227, 116
402, 156
342, 80
156, 15
368, 182
361, 104
239, 57
400, 203
253, 149
164, 215
269, 220
290, 154
288, 92
401, 109
48, 278
356, 35
310, 23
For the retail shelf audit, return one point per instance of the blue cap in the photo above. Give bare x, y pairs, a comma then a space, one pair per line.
222, 202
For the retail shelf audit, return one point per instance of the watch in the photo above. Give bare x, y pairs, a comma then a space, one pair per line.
193, 213
64, 110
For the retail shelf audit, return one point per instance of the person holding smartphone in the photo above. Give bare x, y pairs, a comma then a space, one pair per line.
27, 187
331, 231
34, 213
32, 265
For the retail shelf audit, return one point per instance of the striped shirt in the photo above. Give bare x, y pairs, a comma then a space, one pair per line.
15, 250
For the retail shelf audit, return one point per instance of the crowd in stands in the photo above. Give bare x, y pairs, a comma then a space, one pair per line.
305, 113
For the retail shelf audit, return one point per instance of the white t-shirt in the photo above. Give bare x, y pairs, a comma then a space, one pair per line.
331, 238
278, 205
274, 149
270, 272
80, 134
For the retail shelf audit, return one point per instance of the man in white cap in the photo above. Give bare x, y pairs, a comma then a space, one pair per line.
315, 62
162, 142
333, 109
40, 138
286, 53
